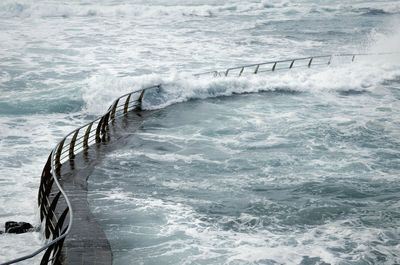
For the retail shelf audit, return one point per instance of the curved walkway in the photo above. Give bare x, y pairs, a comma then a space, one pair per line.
86, 242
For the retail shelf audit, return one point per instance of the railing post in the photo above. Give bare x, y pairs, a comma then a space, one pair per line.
46, 256
72, 145
57, 251
58, 155
126, 105
330, 59
60, 222
113, 109
104, 126
309, 64
45, 178
226, 72
141, 100
98, 129
291, 64
86, 137
241, 71
256, 71
45, 199
352, 59
273, 67
50, 214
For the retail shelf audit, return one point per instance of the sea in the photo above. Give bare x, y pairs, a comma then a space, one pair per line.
295, 166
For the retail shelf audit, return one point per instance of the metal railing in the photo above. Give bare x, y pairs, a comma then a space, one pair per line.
287, 64
54, 205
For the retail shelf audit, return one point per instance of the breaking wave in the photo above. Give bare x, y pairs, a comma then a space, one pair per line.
30, 8
365, 74
177, 88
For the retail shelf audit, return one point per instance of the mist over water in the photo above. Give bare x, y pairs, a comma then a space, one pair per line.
303, 171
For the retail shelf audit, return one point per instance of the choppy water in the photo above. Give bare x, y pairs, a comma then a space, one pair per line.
272, 178
304, 172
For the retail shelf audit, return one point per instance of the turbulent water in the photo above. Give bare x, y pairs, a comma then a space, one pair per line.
303, 172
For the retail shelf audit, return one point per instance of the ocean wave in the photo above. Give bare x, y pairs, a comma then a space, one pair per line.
179, 88
375, 11
28, 8
228, 238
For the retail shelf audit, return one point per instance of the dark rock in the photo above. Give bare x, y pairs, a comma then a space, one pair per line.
18, 227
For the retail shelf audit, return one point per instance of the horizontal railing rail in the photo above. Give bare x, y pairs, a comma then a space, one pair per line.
286, 64
53, 203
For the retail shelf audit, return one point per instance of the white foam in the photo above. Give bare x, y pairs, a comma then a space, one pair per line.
188, 159
363, 75
30, 8
188, 231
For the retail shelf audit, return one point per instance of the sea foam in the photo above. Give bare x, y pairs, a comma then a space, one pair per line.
360, 76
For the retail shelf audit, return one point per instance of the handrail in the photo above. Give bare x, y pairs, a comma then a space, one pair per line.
50, 215
274, 64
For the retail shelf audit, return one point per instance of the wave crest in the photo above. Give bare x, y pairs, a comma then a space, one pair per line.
179, 88
30, 8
